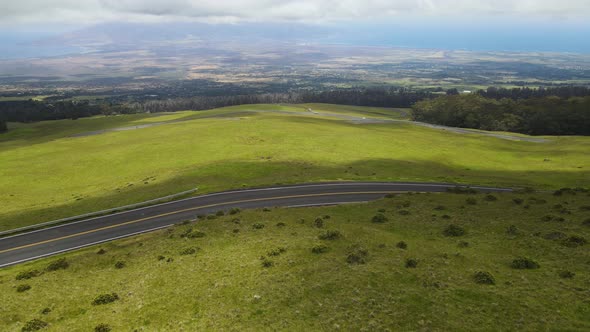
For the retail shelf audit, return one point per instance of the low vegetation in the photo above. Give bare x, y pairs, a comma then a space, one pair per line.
405, 274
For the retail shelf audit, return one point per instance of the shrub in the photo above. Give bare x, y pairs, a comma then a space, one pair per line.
34, 325
446, 216
566, 274
161, 258
220, 213
276, 252
585, 208
554, 236
319, 249
330, 235
406, 204
471, 201
326, 216
463, 244
518, 201
440, 208
512, 230
267, 263
189, 251
484, 278
105, 299
60, 264
27, 274
357, 255
522, 263
119, 265
574, 241
258, 226
23, 288
411, 263
319, 223
45, 311
266, 210
381, 210
586, 222
211, 217
102, 328
404, 212
490, 198
402, 245
390, 196
101, 252
281, 224
379, 218
234, 211
236, 230
236, 221
195, 235
454, 230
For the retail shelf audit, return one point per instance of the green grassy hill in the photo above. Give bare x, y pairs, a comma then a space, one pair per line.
328, 268
55, 169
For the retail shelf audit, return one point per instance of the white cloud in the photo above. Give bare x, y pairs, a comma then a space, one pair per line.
94, 11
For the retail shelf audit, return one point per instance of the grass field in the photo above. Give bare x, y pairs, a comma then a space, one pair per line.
257, 271
46, 174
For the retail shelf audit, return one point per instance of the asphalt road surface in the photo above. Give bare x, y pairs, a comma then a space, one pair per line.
74, 235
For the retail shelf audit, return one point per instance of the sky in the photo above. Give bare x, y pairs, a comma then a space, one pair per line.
548, 25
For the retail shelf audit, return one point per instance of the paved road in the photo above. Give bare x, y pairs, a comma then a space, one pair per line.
53, 240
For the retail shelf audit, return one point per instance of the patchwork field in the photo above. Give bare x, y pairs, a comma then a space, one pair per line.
62, 168
432, 262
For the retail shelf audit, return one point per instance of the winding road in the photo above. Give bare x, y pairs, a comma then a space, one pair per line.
74, 235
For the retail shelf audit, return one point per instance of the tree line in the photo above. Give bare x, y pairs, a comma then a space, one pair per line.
550, 115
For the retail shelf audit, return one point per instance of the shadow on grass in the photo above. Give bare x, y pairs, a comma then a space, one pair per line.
239, 175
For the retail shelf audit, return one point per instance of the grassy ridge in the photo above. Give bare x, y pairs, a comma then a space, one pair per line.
359, 282
47, 174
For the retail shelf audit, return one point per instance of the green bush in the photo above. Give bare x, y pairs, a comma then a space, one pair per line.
463, 244
522, 263
319, 223
518, 201
267, 263
471, 201
402, 245
586, 222
357, 255
220, 213
258, 226
512, 230
330, 235
189, 251
326, 216
234, 211
484, 278
23, 288
211, 217
440, 208
60, 264
379, 218
574, 241
554, 236
119, 265
102, 328
490, 198
195, 235
276, 252
27, 274
319, 249
45, 311
281, 224
454, 230
566, 274
411, 263
105, 299
34, 325
404, 212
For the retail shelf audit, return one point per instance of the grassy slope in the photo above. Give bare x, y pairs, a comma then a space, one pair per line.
45, 174
215, 288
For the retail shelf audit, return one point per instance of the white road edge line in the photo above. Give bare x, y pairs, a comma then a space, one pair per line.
84, 245
253, 190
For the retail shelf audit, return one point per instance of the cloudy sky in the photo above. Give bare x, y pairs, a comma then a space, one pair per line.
27, 12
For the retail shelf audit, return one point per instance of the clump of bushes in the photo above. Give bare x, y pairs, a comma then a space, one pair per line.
490, 198
277, 251
463, 244
258, 226
281, 224
357, 255
440, 208
45, 311
379, 218
34, 325
319, 223
319, 249
105, 299
266, 210
381, 210
234, 211
119, 265
211, 217
330, 235
326, 216
484, 278
411, 263
471, 201
586, 222
574, 241
60, 264
518, 201
102, 328
404, 212
23, 288
27, 274
101, 252
220, 213
566, 274
454, 230
554, 236
512, 230
189, 251
523, 263
267, 263
402, 245
446, 216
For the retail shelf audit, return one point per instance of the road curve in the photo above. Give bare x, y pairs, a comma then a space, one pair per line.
53, 240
